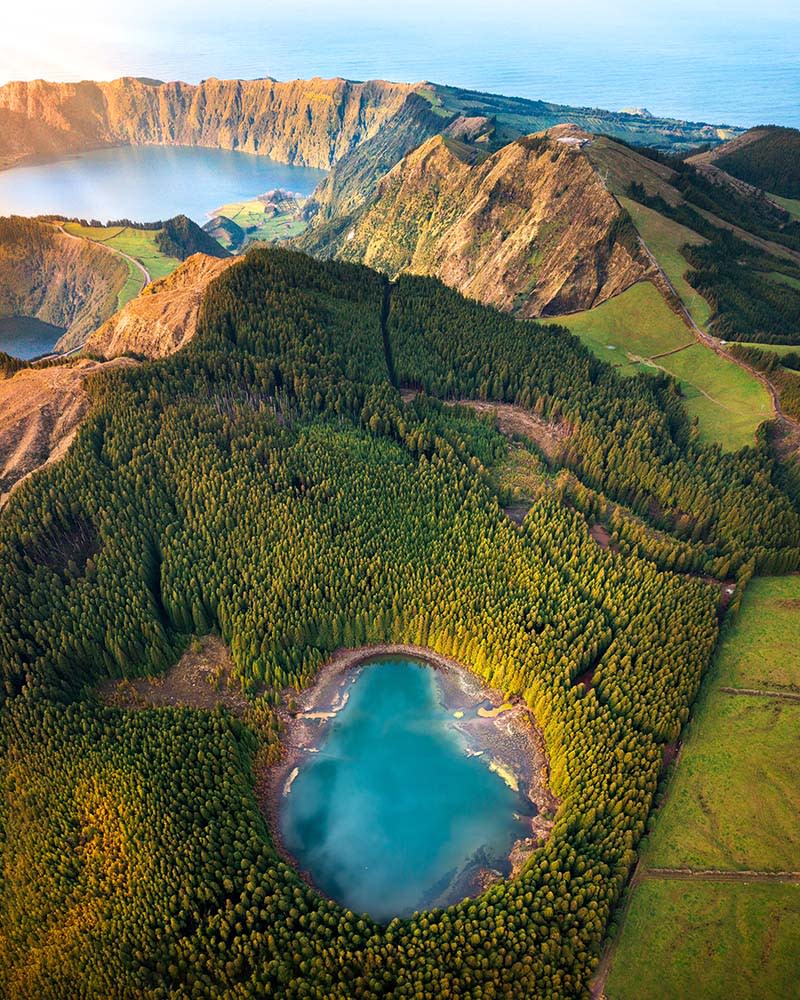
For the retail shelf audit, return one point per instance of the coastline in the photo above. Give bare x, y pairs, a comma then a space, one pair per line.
505, 733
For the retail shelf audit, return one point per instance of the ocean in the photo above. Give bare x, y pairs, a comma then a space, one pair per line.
703, 61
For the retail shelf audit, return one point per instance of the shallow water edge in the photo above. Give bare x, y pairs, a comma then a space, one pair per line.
501, 730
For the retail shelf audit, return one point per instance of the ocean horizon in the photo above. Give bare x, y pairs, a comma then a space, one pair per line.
728, 67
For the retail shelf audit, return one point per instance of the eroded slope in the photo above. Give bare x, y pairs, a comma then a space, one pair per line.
530, 228
163, 317
64, 281
40, 410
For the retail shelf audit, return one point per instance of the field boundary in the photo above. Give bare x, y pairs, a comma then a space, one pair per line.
719, 875
756, 693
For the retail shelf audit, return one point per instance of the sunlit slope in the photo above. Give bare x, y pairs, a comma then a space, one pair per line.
637, 331
46, 274
530, 229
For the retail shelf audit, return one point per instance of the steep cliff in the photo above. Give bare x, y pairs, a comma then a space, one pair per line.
163, 317
307, 122
353, 179
530, 228
45, 273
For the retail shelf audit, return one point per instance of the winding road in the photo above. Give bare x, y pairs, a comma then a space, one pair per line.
789, 423
146, 280
132, 260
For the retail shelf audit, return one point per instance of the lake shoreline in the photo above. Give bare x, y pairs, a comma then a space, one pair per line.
145, 181
506, 733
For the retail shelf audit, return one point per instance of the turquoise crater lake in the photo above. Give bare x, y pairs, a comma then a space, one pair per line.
393, 810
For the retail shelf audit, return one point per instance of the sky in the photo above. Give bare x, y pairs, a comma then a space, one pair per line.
733, 60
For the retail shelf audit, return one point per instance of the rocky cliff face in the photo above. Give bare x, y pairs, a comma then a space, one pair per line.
353, 179
163, 317
306, 122
530, 228
45, 273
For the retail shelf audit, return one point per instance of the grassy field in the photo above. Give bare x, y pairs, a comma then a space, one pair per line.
791, 205
632, 328
141, 245
708, 941
137, 243
761, 649
779, 349
733, 801
636, 323
259, 225
784, 279
731, 806
665, 238
728, 401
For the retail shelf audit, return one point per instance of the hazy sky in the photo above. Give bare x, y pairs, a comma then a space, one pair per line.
584, 51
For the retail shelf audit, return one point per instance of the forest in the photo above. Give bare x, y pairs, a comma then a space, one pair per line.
269, 483
754, 293
768, 162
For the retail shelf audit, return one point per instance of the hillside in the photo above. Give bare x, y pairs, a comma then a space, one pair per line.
731, 254
225, 231
64, 281
767, 157
163, 317
182, 238
271, 485
496, 120
40, 411
530, 228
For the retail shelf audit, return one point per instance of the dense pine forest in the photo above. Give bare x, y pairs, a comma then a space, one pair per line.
769, 162
271, 484
751, 285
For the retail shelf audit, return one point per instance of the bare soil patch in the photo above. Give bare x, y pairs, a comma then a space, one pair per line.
40, 412
600, 533
515, 421
202, 678
517, 511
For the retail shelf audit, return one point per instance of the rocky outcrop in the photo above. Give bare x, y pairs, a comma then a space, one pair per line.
306, 122
71, 283
40, 411
530, 228
163, 317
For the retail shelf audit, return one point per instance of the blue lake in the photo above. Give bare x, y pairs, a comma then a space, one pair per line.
27, 337
146, 183
392, 814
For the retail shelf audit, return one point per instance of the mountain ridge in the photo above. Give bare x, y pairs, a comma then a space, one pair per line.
312, 122
530, 228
